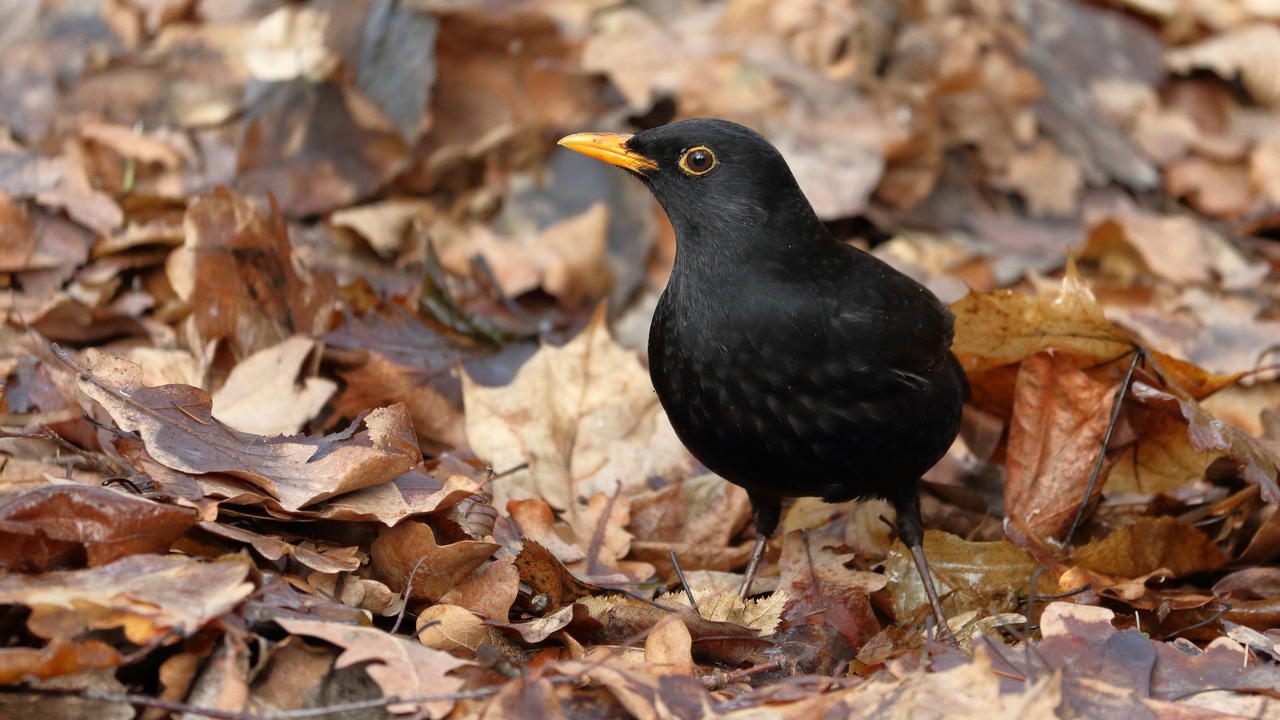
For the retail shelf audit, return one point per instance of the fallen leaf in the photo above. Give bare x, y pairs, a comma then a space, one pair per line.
264, 394
64, 526
1060, 415
409, 551
994, 329
1150, 544
178, 430
548, 577
583, 416
668, 648
236, 269
489, 591
983, 576
145, 596
274, 548
451, 628
402, 668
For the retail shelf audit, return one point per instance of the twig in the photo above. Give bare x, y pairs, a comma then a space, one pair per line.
1106, 441
126, 482
509, 471
408, 587
718, 680
597, 537
47, 433
1224, 607
688, 591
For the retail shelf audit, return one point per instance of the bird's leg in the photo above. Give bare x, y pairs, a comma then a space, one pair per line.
911, 530
765, 512
757, 552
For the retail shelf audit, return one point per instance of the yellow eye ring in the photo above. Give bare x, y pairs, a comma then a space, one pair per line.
698, 161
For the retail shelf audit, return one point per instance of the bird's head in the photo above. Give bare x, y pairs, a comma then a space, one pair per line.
711, 176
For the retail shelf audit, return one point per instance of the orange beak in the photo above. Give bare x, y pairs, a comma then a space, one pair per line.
611, 148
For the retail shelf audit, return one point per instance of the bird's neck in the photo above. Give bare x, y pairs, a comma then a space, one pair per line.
712, 252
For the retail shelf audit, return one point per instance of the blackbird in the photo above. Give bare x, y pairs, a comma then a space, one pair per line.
790, 363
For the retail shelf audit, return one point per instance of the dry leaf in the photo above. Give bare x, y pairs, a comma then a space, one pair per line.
61, 526
264, 394
1059, 417
583, 416
145, 596
410, 548
178, 430
1150, 544
402, 668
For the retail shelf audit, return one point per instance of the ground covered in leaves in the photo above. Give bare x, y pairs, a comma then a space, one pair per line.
322, 388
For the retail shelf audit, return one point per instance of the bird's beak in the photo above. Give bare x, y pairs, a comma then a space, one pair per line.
611, 148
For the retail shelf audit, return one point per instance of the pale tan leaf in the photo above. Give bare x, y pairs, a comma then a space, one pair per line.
584, 416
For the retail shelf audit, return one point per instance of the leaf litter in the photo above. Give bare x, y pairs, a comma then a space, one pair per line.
297, 448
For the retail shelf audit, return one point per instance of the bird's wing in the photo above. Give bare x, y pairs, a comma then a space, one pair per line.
884, 329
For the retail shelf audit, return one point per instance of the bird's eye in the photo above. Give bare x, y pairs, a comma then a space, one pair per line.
698, 161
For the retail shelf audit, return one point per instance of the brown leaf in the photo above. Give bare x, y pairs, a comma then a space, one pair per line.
146, 596
273, 548
994, 329
668, 648
827, 611
568, 259
402, 668
1049, 180
1258, 463
413, 493
548, 577
645, 695
176, 425
1249, 51
599, 527
451, 628
1160, 459
17, 235
265, 395
539, 629
63, 526
583, 416
622, 619
237, 271
59, 657
984, 576
489, 591
424, 391
1059, 417
398, 550
318, 148
1150, 544
527, 698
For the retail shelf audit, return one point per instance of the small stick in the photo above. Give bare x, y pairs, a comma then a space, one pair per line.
1106, 440
1223, 608
408, 587
688, 591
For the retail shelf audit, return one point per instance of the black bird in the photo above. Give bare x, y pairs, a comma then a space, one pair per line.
790, 363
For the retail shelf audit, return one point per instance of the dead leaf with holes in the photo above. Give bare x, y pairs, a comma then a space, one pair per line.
179, 431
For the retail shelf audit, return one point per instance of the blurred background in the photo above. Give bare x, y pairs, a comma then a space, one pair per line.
402, 157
